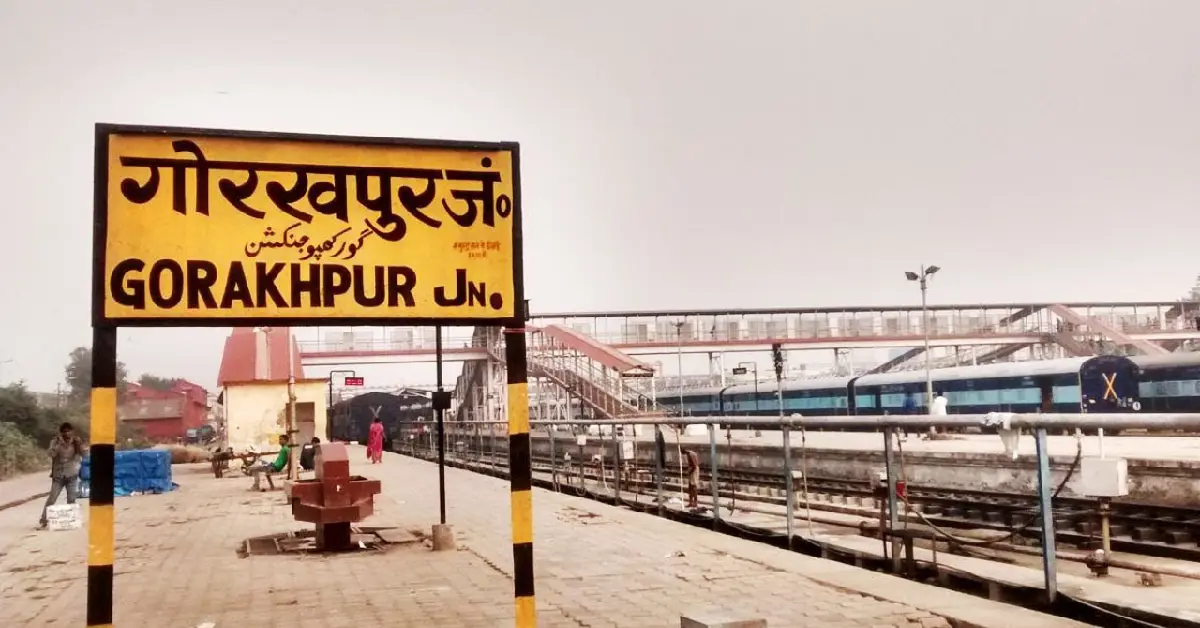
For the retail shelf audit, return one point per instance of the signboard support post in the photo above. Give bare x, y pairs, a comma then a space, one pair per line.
102, 452
520, 471
441, 404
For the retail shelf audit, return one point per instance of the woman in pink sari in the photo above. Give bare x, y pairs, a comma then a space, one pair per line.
375, 442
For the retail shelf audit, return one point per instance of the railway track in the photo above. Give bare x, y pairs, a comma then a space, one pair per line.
1148, 530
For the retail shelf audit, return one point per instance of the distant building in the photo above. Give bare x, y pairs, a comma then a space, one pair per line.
254, 396
50, 399
165, 415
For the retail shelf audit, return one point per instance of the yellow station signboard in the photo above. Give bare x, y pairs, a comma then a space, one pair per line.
226, 226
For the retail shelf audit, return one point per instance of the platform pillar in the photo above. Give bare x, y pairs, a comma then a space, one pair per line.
333, 537
443, 538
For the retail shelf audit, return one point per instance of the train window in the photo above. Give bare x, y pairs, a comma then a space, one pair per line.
864, 401
1065, 394
1174, 388
1030, 396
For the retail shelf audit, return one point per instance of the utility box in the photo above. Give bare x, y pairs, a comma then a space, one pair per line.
879, 479
1104, 477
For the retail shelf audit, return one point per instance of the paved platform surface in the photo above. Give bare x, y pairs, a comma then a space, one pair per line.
1132, 447
18, 489
596, 566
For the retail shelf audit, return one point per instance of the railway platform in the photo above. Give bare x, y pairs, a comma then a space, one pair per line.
177, 564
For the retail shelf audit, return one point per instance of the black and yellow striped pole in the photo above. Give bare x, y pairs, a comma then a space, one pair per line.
102, 454
520, 471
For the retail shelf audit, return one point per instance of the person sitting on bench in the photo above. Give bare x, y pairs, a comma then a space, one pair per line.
281, 462
308, 455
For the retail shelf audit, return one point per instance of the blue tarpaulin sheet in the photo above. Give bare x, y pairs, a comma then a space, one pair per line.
137, 471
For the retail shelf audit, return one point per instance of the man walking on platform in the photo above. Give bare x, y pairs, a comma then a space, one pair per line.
66, 454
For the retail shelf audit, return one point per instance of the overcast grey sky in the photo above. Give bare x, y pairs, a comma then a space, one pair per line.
675, 153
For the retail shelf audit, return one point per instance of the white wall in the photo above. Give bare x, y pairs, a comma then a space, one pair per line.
256, 414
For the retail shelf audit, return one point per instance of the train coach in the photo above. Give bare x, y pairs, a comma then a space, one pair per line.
1169, 383
350, 420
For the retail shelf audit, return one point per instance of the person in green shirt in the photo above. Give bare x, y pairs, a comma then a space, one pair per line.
279, 466
285, 452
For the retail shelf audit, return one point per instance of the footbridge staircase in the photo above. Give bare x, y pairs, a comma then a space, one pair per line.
571, 375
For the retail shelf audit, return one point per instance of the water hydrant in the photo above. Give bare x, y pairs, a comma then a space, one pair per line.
335, 499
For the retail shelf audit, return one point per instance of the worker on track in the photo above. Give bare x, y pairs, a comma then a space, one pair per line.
693, 479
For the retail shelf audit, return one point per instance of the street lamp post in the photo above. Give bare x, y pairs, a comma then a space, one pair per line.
923, 279
679, 340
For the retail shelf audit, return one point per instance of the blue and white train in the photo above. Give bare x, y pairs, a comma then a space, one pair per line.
1166, 383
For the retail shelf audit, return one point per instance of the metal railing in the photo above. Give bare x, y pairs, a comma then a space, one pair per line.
1010, 423
451, 342
903, 331
876, 329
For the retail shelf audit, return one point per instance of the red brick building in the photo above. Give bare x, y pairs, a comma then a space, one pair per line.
165, 415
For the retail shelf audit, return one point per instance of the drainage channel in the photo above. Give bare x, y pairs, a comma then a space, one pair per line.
1097, 614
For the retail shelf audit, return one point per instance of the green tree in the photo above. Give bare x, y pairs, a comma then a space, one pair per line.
79, 376
19, 453
157, 383
1194, 293
19, 409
